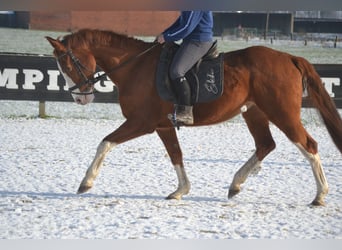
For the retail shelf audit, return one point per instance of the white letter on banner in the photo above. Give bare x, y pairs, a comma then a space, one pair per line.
53, 79
108, 85
8, 78
329, 82
32, 76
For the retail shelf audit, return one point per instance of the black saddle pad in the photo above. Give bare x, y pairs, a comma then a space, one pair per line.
205, 78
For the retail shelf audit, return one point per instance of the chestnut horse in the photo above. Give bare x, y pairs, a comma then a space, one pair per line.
264, 85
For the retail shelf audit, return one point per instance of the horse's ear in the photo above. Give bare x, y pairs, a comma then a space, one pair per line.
56, 44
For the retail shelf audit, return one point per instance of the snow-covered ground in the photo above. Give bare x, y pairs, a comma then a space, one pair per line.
42, 162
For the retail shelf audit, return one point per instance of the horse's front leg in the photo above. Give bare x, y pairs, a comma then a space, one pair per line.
169, 138
92, 172
125, 132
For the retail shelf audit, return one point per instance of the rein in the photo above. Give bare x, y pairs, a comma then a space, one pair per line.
124, 63
93, 80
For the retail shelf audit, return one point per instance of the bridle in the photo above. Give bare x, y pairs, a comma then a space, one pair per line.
91, 81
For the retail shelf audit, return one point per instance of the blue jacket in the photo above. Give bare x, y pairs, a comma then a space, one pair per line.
191, 25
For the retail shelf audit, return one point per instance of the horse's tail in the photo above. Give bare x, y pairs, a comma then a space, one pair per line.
321, 100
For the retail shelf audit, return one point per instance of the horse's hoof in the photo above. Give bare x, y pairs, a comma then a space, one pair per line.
232, 193
317, 203
174, 196
83, 189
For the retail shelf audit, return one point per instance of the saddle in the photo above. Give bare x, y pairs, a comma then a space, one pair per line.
205, 77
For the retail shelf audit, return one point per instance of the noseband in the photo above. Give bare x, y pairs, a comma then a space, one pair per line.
91, 81
79, 66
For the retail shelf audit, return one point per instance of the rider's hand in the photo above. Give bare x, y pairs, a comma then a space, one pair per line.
160, 39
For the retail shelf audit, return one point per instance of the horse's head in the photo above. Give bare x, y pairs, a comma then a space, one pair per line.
78, 68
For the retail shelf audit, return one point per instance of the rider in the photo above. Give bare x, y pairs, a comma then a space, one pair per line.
195, 30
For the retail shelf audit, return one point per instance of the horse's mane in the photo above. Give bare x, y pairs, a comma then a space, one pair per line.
87, 37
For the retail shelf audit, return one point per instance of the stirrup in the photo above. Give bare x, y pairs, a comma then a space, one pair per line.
181, 121
173, 119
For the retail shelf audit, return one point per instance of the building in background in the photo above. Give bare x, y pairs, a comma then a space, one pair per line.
318, 21
150, 23
278, 22
125, 22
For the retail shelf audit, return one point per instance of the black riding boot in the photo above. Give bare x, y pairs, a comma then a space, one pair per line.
183, 108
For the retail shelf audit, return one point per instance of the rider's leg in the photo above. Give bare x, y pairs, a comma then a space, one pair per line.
186, 56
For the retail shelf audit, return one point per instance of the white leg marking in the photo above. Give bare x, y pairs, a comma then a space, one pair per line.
318, 172
92, 172
243, 108
183, 184
252, 165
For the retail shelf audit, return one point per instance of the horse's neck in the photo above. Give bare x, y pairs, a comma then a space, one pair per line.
111, 56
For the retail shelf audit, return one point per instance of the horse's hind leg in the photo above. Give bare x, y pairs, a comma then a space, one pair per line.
308, 147
169, 138
321, 181
258, 125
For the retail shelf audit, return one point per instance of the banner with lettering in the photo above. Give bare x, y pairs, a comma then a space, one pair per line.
34, 77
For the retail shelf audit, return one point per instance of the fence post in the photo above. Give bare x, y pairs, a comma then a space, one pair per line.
266, 24
42, 113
